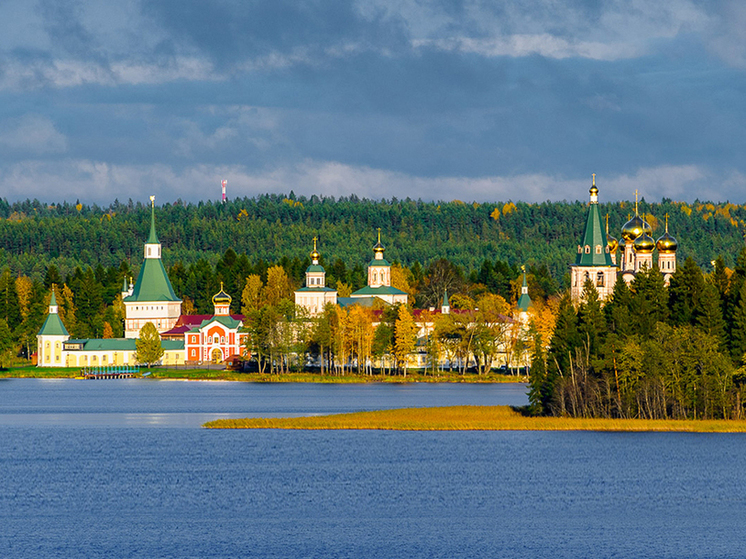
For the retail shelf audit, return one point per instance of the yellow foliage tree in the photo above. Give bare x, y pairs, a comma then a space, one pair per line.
251, 294
343, 289
401, 278
360, 324
24, 287
405, 337
278, 286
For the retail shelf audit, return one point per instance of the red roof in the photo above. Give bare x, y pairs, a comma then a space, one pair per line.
188, 321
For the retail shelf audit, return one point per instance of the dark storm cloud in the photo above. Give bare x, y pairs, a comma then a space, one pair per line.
231, 32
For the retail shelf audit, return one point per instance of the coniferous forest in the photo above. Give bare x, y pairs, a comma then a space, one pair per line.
653, 351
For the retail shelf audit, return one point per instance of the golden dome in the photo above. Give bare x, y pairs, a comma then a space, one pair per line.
612, 243
667, 243
315, 254
635, 227
644, 243
221, 298
378, 247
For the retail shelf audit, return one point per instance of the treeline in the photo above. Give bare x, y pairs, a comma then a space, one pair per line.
34, 235
90, 300
651, 351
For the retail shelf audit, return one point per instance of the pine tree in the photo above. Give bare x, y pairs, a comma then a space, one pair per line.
738, 328
708, 315
687, 285
649, 301
591, 321
537, 379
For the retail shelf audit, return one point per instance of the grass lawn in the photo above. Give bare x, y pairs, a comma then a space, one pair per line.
474, 418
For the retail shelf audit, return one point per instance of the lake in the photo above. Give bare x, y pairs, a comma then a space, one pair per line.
122, 469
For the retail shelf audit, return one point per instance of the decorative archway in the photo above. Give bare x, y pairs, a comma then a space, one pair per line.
216, 356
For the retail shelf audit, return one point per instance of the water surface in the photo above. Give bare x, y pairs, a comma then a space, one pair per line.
118, 487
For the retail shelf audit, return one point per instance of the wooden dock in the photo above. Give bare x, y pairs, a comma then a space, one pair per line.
107, 373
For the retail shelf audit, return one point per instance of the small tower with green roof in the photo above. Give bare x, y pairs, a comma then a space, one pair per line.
593, 260
315, 294
51, 338
379, 270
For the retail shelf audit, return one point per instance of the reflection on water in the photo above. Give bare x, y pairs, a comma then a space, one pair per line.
131, 403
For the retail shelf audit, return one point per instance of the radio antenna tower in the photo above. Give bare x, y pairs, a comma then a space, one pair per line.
223, 183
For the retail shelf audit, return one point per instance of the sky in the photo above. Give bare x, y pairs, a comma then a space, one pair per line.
437, 100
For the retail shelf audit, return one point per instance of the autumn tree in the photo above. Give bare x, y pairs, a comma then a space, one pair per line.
405, 337
251, 294
148, 345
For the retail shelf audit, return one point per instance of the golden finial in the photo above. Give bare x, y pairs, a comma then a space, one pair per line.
314, 243
666, 223
152, 201
379, 234
594, 179
636, 194
221, 286
607, 224
523, 268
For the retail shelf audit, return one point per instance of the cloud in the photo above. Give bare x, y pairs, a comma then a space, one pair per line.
99, 182
31, 134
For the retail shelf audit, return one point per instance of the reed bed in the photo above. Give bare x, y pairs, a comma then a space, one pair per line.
474, 418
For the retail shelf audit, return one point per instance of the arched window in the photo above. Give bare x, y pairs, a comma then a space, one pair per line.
580, 249
598, 249
587, 249
600, 279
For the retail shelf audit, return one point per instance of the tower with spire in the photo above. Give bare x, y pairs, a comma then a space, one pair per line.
152, 299
593, 261
315, 294
379, 279
51, 338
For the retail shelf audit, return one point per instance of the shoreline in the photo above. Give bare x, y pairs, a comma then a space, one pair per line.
476, 418
302, 377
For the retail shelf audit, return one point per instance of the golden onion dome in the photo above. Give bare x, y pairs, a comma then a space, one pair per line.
612, 243
644, 243
635, 227
221, 297
315, 254
667, 243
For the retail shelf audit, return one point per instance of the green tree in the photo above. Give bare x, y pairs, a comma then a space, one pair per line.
148, 345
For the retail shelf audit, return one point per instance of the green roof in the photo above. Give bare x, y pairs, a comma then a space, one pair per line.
226, 321
381, 262
593, 237
315, 268
524, 302
362, 301
53, 324
152, 284
383, 290
122, 344
446, 303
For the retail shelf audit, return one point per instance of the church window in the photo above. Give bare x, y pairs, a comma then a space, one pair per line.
57, 345
600, 279
587, 276
47, 345
57, 357
587, 249
222, 339
607, 249
580, 249
598, 249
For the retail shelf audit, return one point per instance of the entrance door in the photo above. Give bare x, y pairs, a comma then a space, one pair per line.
217, 356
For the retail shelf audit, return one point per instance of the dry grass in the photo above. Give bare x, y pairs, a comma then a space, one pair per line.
474, 418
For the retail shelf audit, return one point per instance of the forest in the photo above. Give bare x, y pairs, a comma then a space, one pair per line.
473, 250
651, 351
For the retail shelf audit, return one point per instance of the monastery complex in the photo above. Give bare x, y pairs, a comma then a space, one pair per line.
196, 339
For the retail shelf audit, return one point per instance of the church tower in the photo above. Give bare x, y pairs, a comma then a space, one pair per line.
51, 337
379, 270
152, 299
315, 295
593, 261
221, 302
635, 228
667, 247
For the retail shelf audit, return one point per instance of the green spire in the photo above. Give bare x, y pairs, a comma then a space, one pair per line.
593, 249
524, 301
153, 238
445, 299
53, 324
